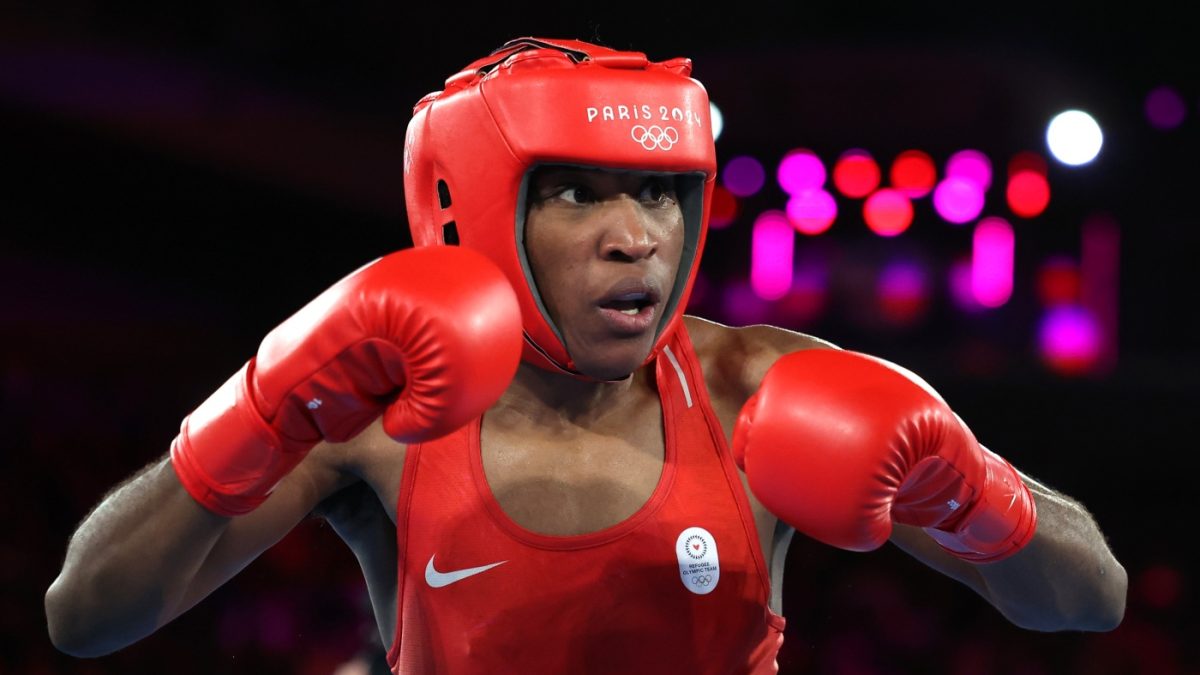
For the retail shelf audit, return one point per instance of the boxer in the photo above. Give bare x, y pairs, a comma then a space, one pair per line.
540, 463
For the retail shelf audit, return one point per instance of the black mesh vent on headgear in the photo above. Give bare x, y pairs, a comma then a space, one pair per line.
450, 234
443, 194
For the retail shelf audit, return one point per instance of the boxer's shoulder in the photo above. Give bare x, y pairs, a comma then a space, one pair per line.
735, 360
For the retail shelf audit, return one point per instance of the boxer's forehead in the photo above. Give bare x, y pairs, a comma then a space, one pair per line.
554, 174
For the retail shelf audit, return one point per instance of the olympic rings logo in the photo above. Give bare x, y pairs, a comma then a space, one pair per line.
655, 137
702, 580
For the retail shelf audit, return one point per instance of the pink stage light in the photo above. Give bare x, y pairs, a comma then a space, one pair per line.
992, 262
888, 212
1069, 340
913, 173
856, 174
743, 176
771, 251
812, 212
970, 165
801, 170
958, 200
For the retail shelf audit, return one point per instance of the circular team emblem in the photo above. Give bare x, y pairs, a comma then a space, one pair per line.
655, 137
699, 565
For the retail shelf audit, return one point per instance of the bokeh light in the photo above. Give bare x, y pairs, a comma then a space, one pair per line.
1165, 108
809, 297
1028, 193
725, 209
740, 306
1058, 282
1099, 287
958, 200
971, 165
903, 291
856, 174
743, 176
801, 170
1074, 137
702, 290
1027, 160
1069, 339
812, 212
913, 173
959, 281
888, 212
771, 250
992, 262
718, 120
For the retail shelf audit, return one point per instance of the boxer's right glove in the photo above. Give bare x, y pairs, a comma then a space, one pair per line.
430, 337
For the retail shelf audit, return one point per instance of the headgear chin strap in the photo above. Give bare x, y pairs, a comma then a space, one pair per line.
470, 149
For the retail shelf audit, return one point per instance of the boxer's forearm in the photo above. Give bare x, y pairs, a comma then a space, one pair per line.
1066, 578
129, 564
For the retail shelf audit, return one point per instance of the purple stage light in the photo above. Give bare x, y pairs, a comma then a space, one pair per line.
903, 291
801, 170
1165, 108
958, 200
959, 281
741, 307
744, 176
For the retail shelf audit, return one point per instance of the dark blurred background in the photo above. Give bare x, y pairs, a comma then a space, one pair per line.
179, 179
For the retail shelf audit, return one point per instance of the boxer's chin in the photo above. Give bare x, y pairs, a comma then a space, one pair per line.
615, 361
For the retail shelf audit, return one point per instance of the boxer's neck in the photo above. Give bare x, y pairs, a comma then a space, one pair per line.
543, 398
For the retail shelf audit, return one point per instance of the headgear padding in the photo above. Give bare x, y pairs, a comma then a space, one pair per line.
471, 147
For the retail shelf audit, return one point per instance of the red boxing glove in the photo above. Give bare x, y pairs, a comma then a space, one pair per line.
430, 337
839, 445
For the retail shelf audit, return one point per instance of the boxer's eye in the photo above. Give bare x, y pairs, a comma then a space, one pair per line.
658, 191
576, 194
572, 194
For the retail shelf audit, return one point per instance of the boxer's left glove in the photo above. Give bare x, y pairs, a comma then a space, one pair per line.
430, 337
840, 445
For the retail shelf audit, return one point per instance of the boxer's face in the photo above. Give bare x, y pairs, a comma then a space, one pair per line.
604, 248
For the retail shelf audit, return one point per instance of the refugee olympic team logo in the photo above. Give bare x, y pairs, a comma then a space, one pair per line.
699, 564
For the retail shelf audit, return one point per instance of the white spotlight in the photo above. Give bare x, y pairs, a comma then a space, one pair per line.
718, 120
1074, 137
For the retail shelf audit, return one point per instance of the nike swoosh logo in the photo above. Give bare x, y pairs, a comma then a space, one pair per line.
438, 579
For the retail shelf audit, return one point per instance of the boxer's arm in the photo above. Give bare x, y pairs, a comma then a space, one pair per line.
1066, 578
149, 552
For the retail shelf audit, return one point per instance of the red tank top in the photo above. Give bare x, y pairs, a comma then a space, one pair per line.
679, 587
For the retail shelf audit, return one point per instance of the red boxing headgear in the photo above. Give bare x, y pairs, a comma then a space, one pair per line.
471, 147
